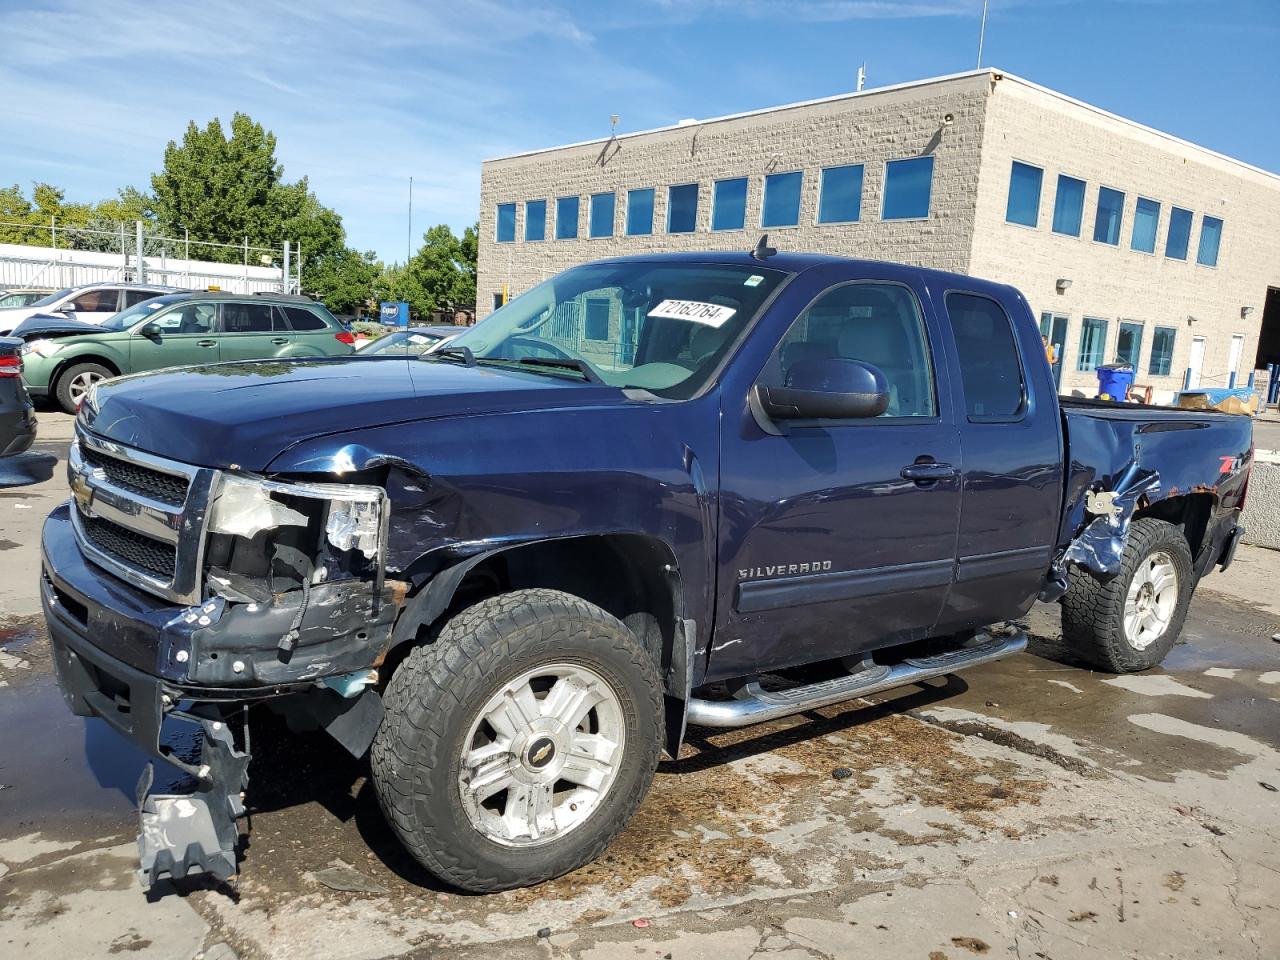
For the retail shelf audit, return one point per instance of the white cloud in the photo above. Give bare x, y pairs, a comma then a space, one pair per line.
360, 95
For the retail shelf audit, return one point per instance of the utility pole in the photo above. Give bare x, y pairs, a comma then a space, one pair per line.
409, 245
982, 33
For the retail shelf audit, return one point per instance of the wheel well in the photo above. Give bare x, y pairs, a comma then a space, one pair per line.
630, 576
1190, 513
73, 361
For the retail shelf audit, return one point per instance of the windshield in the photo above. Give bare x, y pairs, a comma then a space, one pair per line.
409, 343
129, 316
656, 325
52, 298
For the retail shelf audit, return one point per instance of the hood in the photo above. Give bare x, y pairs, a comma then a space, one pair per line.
54, 325
10, 317
246, 414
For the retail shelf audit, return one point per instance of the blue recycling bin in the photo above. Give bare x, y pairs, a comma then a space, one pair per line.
1114, 380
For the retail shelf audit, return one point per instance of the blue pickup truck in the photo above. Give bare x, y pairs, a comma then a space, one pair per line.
652, 492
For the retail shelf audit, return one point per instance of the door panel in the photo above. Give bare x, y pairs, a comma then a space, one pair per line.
826, 548
249, 332
1195, 362
1011, 439
180, 336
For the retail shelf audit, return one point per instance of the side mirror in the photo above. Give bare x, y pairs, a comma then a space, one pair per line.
150, 331
68, 311
833, 389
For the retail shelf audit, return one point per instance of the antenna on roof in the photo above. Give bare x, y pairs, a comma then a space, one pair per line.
763, 251
862, 77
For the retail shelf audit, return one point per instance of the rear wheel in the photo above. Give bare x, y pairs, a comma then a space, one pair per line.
76, 381
1130, 621
518, 745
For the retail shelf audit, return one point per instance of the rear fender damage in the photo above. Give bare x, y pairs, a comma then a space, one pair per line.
1100, 541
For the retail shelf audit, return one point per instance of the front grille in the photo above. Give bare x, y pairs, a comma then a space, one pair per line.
130, 548
132, 476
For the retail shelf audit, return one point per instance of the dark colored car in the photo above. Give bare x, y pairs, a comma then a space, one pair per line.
707, 489
17, 415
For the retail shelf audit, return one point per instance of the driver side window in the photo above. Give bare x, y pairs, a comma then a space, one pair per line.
188, 318
877, 323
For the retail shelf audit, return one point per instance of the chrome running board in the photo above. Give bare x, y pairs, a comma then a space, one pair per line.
752, 704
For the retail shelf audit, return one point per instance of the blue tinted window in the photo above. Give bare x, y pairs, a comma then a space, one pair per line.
567, 218
1068, 206
841, 198
1106, 225
602, 214
1175, 247
1146, 223
1129, 344
1162, 351
1093, 342
682, 208
1210, 238
535, 220
1024, 194
729, 204
782, 199
907, 185
640, 212
506, 223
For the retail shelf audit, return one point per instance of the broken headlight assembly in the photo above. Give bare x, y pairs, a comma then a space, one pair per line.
268, 537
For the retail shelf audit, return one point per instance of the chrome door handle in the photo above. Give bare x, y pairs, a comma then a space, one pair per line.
279, 341
928, 472
206, 343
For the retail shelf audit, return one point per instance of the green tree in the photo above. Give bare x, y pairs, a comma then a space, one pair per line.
344, 280
441, 273
229, 188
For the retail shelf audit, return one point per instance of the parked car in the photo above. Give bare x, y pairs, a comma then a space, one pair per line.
17, 415
90, 303
22, 298
64, 359
413, 341
513, 571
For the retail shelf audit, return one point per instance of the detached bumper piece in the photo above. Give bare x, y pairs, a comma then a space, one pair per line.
184, 835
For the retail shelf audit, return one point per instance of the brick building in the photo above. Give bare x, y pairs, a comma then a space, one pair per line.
1128, 242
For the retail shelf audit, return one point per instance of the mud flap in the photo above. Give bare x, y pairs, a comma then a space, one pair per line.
182, 835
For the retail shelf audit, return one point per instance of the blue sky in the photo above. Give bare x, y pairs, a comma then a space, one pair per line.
363, 94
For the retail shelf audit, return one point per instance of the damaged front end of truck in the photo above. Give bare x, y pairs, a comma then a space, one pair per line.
238, 589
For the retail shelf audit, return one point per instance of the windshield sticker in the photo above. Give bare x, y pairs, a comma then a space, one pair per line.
418, 338
712, 314
753, 281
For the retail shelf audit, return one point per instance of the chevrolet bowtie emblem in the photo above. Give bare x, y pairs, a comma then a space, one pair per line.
540, 754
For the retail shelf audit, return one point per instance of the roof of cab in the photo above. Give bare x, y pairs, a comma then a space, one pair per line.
796, 263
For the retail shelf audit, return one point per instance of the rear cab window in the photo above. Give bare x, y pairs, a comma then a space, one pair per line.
990, 367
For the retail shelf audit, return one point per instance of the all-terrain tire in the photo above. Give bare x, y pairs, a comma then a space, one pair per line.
75, 374
1094, 606
434, 698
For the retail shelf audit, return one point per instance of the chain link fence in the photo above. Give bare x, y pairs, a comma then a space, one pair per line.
54, 256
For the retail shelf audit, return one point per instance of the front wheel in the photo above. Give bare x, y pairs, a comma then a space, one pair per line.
76, 381
1130, 621
518, 745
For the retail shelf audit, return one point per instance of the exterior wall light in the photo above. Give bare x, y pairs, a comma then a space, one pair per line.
1245, 311
1063, 284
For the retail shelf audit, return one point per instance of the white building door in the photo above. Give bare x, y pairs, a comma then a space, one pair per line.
1233, 364
1195, 362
